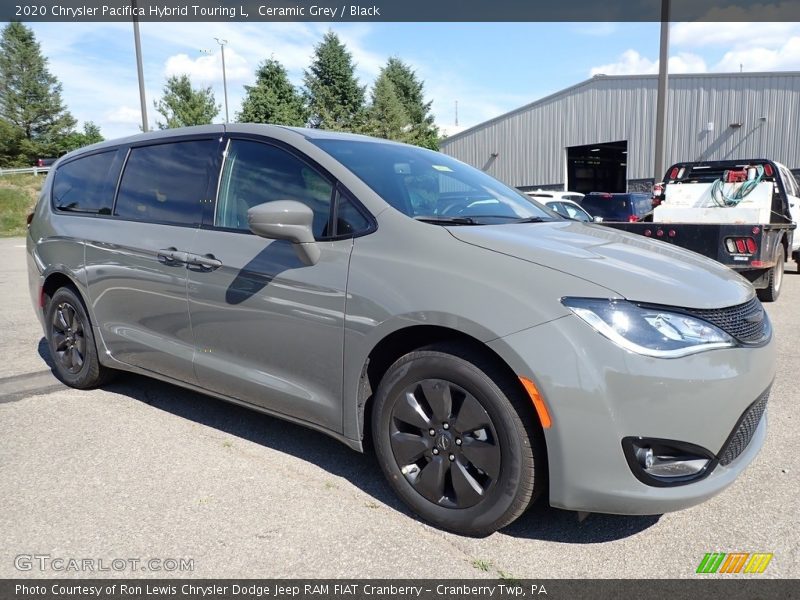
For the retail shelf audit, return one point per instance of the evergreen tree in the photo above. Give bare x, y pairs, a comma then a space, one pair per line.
335, 99
182, 105
10, 145
410, 91
387, 118
35, 120
273, 99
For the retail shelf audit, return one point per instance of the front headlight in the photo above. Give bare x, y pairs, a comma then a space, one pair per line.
649, 331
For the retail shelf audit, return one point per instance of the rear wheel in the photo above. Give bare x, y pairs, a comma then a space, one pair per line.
774, 280
71, 341
455, 440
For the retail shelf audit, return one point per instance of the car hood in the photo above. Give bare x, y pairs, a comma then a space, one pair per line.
634, 267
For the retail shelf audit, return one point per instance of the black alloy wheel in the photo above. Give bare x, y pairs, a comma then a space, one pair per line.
445, 443
458, 439
71, 341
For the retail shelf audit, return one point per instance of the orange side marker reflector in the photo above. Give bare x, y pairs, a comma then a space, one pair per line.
538, 402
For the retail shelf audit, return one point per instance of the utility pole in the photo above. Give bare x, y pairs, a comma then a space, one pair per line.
224, 76
661, 102
139, 70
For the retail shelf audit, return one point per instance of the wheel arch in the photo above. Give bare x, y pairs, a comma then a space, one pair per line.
400, 342
58, 278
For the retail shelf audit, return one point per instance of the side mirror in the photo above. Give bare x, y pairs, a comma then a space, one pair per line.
286, 220
598, 219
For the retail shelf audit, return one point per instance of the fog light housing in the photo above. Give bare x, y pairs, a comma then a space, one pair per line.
665, 463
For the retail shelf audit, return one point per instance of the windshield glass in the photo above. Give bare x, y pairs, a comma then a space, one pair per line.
423, 183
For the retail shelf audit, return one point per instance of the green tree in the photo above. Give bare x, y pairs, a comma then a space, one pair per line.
335, 99
10, 145
273, 99
182, 105
410, 91
91, 135
386, 116
33, 114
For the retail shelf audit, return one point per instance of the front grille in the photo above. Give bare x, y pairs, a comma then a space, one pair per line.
746, 322
744, 430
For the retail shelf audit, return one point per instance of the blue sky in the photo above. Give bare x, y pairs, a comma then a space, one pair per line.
489, 68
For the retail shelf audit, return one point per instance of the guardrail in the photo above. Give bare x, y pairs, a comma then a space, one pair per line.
25, 171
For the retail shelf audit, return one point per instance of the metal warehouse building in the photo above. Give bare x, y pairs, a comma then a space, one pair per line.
599, 134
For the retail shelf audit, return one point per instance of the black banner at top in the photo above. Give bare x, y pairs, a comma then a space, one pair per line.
398, 10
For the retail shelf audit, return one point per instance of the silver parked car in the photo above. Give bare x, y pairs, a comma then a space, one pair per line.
495, 350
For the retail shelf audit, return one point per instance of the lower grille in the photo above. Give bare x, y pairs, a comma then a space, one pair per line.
744, 430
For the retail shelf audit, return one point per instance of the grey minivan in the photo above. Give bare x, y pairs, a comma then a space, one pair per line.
494, 351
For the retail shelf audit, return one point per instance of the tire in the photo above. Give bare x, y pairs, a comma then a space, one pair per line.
71, 342
475, 473
774, 280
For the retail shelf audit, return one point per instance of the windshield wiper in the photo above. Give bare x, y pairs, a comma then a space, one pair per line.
444, 220
530, 220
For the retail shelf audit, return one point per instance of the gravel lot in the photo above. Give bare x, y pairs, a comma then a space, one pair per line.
146, 470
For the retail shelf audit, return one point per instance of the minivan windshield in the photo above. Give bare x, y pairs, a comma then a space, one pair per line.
433, 187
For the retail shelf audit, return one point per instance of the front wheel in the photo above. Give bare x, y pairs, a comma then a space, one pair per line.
456, 440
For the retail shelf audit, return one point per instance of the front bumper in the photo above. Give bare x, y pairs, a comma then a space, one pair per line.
598, 394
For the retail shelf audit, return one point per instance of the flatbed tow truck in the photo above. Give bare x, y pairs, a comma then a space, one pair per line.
741, 213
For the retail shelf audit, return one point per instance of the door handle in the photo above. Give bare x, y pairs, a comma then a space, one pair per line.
172, 256
205, 262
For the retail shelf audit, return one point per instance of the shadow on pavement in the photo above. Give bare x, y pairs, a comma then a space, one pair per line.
541, 522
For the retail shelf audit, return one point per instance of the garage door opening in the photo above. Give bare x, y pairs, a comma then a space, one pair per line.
598, 167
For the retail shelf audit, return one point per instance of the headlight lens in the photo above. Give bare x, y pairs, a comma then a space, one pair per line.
649, 331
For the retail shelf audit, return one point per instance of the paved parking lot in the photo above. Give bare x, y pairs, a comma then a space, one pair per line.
146, 470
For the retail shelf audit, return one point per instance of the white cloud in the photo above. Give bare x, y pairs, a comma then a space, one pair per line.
124, 115
686, 62
786, 57
207, 68
632, 63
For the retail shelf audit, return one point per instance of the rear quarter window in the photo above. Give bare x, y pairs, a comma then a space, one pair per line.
86, 184
167, 183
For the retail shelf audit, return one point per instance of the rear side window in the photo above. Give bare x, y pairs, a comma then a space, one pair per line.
166, 183
86, 184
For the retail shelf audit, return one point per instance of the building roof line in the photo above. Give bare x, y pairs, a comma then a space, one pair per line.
601, 77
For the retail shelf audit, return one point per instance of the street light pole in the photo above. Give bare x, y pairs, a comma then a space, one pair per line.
661, 101
139, 70
224, 76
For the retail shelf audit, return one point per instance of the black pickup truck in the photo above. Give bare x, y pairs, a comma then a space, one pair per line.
757, 249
